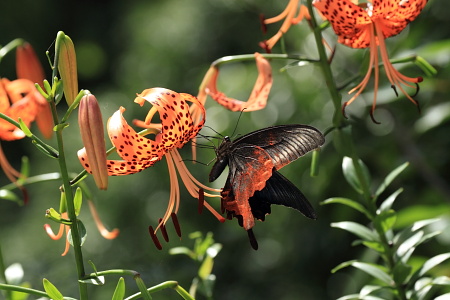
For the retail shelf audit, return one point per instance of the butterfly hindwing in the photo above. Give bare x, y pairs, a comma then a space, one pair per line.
279, 190
249, 169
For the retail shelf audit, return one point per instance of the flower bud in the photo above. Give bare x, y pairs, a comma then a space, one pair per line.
92, 135
67, 66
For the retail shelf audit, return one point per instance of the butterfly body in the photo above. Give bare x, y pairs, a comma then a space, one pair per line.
253, 182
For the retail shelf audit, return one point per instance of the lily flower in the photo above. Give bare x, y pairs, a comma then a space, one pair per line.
258, 96
63, 228
290, 19
137, 152
367, 26
18, 99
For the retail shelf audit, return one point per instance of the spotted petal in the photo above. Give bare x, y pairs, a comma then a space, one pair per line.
394, 15
177, 125
350, 22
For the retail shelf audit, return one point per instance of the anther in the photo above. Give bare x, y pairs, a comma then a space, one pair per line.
154, 238
176, 224
163, 230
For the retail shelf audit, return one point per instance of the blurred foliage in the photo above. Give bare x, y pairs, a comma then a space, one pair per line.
124, 47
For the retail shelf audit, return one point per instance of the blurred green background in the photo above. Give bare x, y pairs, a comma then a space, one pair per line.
124, 47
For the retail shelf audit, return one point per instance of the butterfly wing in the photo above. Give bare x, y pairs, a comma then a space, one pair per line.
284, 143
279, 190
249, 169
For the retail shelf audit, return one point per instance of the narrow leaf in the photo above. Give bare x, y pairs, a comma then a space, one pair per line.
385, 220
430, 264
351, 176
390, 177
51, 290
78, 200
350, 203
357, 229
119, 292
374, 271
99, 280
387, 204
410, 243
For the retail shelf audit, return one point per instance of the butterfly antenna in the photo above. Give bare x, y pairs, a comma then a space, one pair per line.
237, 123
216, 132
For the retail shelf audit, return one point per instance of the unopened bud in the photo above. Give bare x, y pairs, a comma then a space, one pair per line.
67, 66
92, 135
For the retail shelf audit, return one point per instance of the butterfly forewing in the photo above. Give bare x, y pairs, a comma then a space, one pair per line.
284, 143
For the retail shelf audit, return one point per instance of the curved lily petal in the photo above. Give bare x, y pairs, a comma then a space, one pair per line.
258, 96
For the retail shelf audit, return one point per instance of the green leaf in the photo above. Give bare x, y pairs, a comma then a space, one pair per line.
409, 231
99, 280
51, 290
351, 176
78, 200
377, 246
385, 220
401, 272
91, 263
371, 269
142, 287
429, 264
441, 280
82, 232
182, 250
206, 268
119, 292
443, 297
350, 203
390, 177
387, 204
357, 229
8, 195
409, 244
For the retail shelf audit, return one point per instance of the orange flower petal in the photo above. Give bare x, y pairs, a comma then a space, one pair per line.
394, 15
177, 124
349, 21
259, 94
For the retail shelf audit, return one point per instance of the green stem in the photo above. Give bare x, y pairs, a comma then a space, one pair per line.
10, 287
76, 239
10, 46
3, 274
165, 285
247, 57
338, 119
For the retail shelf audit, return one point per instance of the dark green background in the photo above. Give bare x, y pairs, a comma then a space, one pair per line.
124, 47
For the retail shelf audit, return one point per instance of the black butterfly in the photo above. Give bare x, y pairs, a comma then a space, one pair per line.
253, 183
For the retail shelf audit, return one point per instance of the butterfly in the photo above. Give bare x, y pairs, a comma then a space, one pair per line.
253, 181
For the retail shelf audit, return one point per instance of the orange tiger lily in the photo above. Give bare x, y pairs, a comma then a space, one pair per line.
177, 127
367, 26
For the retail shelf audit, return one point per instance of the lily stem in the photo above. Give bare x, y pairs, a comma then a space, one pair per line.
324, 64
76, 238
